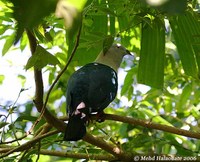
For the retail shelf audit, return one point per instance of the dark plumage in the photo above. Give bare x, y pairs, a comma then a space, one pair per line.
91, 89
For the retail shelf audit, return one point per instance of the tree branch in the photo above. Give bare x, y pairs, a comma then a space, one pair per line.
29, 144
39, 87
37, 73
89, 156
149, 124
39, 92
114, 150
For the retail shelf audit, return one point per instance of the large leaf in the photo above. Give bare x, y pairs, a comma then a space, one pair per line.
151, 64
185, 28
29, 13
172, 6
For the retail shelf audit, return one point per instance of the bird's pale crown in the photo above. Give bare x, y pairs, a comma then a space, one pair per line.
113, 57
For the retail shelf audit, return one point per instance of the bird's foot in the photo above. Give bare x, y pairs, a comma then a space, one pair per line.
100, 117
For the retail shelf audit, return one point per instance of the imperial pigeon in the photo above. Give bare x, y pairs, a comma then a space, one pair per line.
91, 89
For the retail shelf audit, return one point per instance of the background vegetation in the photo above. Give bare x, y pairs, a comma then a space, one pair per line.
159, 118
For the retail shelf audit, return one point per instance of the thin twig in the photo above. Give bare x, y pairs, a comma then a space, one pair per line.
38, 155
15, 140
64, 69
29, 144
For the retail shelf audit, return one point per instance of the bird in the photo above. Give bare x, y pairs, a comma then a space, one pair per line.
91, 89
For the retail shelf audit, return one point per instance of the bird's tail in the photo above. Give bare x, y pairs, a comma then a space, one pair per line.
76, 128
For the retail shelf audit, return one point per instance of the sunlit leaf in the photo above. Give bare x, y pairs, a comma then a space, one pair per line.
41, 58
22, 78
23, 42
2, 77
3, 28
25, 118
8, 44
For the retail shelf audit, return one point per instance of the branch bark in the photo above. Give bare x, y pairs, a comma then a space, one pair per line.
37, 73
114, 150
110, 148
149, 124
89, 156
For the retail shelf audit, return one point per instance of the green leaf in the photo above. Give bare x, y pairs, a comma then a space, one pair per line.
184, 29
22, 79
23, 42
8, 44
173, 6
2, 77
123, 130
151, 64
100, 24
184, 98
26, 118
3, 124
3, 28
155, 118
41, 58
29, 14
168, 105
194, 30
128, 81
107, 43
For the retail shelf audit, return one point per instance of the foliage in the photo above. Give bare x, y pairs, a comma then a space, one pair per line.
165, 41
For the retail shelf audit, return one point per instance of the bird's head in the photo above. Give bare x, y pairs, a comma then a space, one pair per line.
118, 49
113, 56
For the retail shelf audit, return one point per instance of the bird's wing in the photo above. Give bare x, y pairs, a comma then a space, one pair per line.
95, 85
77, 90
102, 87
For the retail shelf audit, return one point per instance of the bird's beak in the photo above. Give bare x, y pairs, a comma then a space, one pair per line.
129, 53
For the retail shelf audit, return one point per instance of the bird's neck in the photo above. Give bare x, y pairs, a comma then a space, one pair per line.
106, 59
